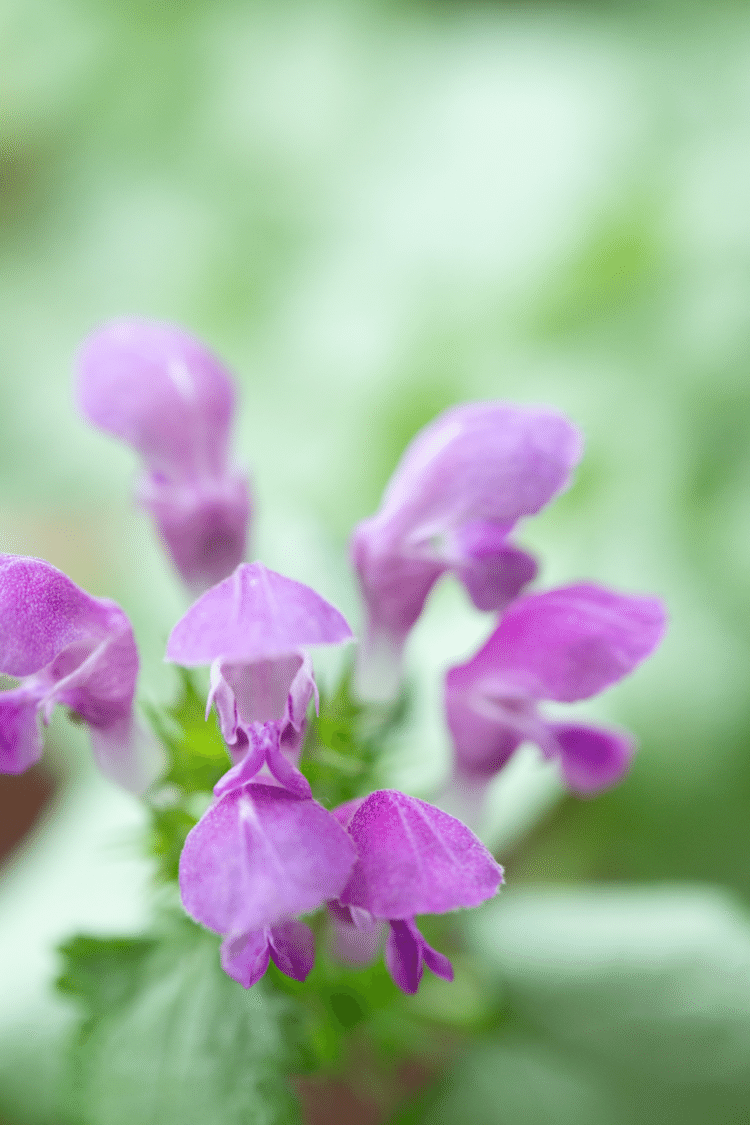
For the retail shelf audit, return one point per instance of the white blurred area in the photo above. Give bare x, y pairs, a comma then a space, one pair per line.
82, 870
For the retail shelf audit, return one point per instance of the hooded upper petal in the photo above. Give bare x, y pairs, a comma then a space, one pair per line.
160, 390
414, 859
479, 461
566, 644
254, 615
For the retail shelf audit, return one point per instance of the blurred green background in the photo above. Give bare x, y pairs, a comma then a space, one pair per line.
372, 210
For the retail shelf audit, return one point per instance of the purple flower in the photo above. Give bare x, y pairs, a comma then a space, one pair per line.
68, 647
454, 499
564, 645
156, 388
251, 628
257, 858
413, 859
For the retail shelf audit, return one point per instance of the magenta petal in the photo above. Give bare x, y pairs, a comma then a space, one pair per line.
204, 524
592, 758
286, 774
255, 742
73, 649
438, 963
494, 579
415, 859
20, 736
292, 947
406, 954
482, 740
403, 956
484, 464
260, 855
567, 644
255, 614
245, 957
43, 612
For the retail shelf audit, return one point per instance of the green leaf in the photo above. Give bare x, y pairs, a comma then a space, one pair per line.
197, 754
344, 744
168, 1039
197, 759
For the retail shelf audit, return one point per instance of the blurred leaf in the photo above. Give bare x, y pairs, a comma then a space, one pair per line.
654, 984
167, 1037
517, 1082
616, 269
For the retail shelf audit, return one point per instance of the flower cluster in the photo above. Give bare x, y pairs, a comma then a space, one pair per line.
266, 852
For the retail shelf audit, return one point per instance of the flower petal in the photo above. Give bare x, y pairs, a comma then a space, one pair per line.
260, 855
128, 754
245, 957
292, 947
73, 649
403, 957
482, 740
494, 578
415, 859
592, 758
157, 388
255, 614
20, 736
406, 954
204, 524
566, 644
480, 465
43, 612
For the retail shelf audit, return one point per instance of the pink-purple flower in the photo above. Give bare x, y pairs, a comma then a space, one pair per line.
257, 858
451, 505
68, 647
413, 859
253, 629
564, 645
161, 391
